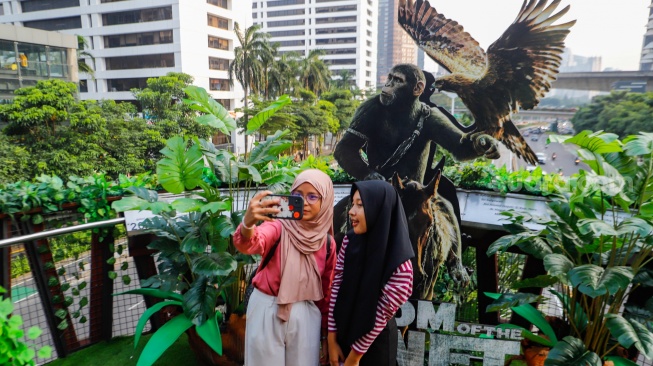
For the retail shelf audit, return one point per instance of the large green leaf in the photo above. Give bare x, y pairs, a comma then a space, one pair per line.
269, 149
593, 280
505, 242
187, 204
162, 339
210, 333
216, 115
129, 203
214, 264
637, 145
595, 142
152, 292
181, 168
527, 334
146, 316
559, 266
629, 332
200, 300
571, 351
259, 119
635, 225
524, 309
597, 227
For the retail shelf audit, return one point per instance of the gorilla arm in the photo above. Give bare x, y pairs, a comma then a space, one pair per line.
461, 145
347, 152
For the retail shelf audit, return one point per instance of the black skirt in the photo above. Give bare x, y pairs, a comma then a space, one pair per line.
383, 351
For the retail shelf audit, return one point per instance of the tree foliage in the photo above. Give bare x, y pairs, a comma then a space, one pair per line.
621, 113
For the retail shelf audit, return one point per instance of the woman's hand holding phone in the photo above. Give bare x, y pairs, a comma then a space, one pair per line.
260, 209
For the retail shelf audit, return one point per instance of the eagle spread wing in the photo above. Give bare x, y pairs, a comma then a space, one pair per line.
517, 70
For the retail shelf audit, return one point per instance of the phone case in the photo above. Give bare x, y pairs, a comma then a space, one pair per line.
291, 207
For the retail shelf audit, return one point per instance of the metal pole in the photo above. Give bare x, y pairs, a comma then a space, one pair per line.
60, 231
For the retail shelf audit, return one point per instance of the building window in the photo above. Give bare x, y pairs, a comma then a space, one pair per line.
38, 5
225, 103
335, 40
368, 53
55, 24
333, 9
218, 64
368, 74
272, 4
296, 32
335, 30
369, 22
283, 13
348, 61
369, 43
283, 23
219, 43
301, 52
138, 39
137, 16
83, 86
327, 1
335, 20
368, 63
369, 33
141, 61
340, 51
217, 22
119, 85
110, 1
219, 84
299, 42
220, 3
255, 15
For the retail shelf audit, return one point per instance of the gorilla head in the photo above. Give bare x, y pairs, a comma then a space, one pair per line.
405, 83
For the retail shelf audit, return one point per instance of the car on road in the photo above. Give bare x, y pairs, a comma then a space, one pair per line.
534, 138
541, 157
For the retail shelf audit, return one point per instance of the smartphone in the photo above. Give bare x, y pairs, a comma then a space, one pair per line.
291, 207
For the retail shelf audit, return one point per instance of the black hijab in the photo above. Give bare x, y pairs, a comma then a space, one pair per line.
371, 259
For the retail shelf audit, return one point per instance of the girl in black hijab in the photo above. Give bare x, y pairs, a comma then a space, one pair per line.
372, 279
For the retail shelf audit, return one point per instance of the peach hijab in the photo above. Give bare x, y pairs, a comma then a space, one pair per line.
300, 276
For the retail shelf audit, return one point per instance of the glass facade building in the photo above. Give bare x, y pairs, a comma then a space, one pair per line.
24, 63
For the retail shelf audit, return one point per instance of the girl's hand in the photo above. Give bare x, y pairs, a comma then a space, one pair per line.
353, 359
259, 209
335, 353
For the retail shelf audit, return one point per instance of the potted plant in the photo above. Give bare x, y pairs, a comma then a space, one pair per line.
595, 243
199, 267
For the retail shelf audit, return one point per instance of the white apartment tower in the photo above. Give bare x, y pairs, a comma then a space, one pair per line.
133, 40
345, 29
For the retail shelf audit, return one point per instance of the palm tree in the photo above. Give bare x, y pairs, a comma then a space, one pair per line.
267, 61
82, 66
247, 67
314, 72
345, 80
284, 73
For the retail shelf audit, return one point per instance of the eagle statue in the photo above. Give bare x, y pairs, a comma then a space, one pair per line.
515, 72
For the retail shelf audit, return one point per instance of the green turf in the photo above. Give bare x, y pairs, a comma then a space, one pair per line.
20, 292
120, 352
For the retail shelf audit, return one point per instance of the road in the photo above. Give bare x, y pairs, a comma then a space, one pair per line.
566, 154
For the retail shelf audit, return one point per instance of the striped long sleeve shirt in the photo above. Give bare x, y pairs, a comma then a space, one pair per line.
395, 292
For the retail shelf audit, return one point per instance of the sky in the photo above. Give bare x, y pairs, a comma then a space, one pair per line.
612, 29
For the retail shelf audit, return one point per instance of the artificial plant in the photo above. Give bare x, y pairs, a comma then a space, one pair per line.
198, 265
595, 241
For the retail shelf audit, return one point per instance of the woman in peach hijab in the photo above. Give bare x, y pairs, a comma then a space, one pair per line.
288, 310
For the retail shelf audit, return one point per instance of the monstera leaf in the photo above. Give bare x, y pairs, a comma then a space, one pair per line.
199, 301
214, 264
269, 149
181, 168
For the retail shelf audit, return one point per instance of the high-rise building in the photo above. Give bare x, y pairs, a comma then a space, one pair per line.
138, 39
646, 61
395, 45
344, 29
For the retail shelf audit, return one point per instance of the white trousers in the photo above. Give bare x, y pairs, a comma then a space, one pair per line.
272, 342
